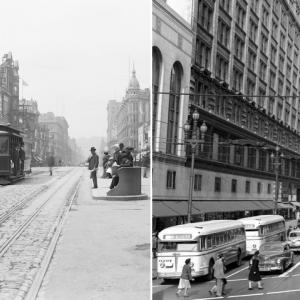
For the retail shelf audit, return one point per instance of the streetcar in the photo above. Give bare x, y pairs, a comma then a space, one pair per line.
12, 168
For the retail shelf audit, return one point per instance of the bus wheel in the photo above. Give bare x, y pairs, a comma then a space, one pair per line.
239, 258
210, 274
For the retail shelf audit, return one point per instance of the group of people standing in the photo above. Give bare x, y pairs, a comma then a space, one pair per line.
121, 157
219, 273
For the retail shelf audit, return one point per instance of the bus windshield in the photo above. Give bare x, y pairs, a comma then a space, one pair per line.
252, 232
3, 145
178, 246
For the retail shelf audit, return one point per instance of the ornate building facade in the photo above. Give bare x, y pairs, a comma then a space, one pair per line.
244, 84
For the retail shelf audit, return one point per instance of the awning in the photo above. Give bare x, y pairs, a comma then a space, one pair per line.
168, 208
284, 205
295, 203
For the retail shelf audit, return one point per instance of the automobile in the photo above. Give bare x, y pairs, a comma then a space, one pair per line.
275, 256
294, 240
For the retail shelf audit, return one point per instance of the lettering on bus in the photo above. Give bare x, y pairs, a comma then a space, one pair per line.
249, 226
177, 236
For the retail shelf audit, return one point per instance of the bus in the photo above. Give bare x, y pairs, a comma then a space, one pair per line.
201, 242
261, 229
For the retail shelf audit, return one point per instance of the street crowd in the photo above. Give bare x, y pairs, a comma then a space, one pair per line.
120, 158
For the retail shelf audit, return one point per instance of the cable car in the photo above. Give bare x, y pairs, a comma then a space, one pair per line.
11, 165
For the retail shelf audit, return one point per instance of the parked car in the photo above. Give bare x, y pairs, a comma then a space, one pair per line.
275, 256
294, 240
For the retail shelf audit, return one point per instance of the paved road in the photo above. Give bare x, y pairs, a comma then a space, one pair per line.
276, 287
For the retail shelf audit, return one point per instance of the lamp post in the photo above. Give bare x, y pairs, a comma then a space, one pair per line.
194, 142
276, 162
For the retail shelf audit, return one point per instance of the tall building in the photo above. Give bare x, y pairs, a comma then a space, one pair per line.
172, 40
241, 50
134, 111
112, 111
9, 90
58, 131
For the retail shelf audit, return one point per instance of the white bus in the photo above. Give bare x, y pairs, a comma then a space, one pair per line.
201, 242
261, 229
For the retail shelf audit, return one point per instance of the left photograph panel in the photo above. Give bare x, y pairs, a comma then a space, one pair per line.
75, 150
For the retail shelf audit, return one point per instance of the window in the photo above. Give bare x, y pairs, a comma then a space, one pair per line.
233, 185
238, 47
273, 54
205, 13
274, 29
258, 187
225, 4
263, 43
217, 184
289, 50
279, 110
247, 188
288, 71
294, 78
171, 179
269, 188
223, 33
250, 87
197, 182
221, 68
262, 70
240, 15
265, 16
251, 60
281, 63
282, 40
202, 55
253, 30
272, 79
237, 80
254, 5
280, 86
174, 102
296, 58
156, 63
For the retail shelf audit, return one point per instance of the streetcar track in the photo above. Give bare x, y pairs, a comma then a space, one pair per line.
33, 216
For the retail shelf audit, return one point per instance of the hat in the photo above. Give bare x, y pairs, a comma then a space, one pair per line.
93, 149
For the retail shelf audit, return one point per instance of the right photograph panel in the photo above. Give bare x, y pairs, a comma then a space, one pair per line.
225, 144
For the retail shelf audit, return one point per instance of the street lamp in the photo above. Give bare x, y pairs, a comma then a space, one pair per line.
194, 142
276, 162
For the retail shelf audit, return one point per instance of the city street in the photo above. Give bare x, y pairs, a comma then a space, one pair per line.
276, 286
46, 218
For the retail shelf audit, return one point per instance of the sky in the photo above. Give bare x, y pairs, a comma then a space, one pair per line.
75, 55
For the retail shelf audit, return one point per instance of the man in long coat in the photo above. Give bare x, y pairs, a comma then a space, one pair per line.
93, 161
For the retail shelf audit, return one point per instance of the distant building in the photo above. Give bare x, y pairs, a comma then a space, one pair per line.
112, 111
133, 113
58, 139
9, 90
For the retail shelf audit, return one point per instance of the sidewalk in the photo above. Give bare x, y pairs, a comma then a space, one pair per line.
104, 251
103, 188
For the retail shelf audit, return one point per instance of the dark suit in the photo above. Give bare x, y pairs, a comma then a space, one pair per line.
93, 161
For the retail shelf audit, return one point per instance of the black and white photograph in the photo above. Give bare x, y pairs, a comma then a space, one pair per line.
75, 139
225, 149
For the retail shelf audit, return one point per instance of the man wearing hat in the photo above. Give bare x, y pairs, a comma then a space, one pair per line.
93, 161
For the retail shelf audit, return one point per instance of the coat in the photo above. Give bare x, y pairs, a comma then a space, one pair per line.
93, 161
254, 274
186, 272
219, 269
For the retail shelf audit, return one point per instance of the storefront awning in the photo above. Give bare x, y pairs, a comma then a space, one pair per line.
168, 208
284, 205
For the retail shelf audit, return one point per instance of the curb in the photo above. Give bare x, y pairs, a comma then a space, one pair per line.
122, 198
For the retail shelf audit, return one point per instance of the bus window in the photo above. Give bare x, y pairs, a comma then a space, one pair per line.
3, 145
209, 241
178, 246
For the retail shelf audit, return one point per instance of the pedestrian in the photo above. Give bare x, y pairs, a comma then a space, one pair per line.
254, 275
22, 158
219, 269
51, 163
186, 276
93, 161
154, 243
105, 160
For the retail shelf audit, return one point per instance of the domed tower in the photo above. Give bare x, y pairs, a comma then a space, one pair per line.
133, 83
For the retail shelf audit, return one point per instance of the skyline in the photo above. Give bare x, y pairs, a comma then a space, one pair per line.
73, 57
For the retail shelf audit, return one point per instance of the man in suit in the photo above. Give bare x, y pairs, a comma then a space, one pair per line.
93, 161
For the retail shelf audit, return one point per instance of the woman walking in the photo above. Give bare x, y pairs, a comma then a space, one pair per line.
254, 275
186, 276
